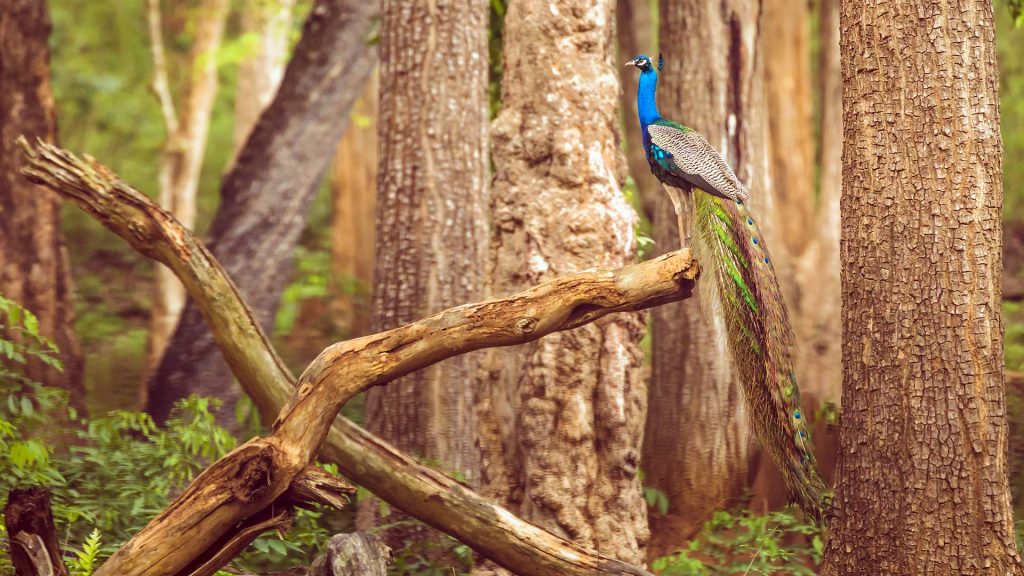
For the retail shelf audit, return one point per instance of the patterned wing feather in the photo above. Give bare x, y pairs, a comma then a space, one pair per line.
688, 155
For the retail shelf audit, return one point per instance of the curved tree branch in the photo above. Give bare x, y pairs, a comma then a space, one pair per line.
246, 481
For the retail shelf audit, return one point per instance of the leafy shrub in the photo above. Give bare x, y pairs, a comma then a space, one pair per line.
746, 543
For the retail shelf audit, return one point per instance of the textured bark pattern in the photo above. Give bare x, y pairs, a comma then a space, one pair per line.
922, 472
353, 220
182, 160
431, 214
27, 515
698, 441
264, 199
34, 268
563, 417
353, 555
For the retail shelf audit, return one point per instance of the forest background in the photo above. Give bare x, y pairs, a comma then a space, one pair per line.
109, 103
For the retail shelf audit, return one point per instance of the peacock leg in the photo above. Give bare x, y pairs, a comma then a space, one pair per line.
682, 210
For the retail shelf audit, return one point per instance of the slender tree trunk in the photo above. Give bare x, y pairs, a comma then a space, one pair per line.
698, 443
353, 229
431, 216
34, 269
922, 473
183, 152
265, 197
260, 72
787, 81
636, 36
562, 418
817, 321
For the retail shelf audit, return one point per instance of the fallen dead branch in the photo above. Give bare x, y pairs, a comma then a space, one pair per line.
233, 492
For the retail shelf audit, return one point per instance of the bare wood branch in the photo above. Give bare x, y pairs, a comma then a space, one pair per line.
318, 486
257, 473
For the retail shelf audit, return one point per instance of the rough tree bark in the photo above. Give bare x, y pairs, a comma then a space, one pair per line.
353, 219
182, 156
265, 197
260, 72
432, 216
698, 443
34, 268
562, 418
922, 473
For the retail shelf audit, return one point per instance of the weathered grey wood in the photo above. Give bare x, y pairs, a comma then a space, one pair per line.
34, 548
356, 554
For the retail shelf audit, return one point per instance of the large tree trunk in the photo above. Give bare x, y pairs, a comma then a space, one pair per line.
431, 217
563, 417
698, 442
264, 199
34, 269
353, 219
183, 152
922, 473
260, 72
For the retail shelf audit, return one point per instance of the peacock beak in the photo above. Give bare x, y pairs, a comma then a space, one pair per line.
631, 63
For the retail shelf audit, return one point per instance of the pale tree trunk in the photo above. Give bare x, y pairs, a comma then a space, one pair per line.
698, 444
266, 195
922, 473
182, 156
34, 268
562, 418
431, 216
353, 229
260, 72
636, 36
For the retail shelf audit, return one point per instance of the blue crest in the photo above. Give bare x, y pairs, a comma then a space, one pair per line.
661, 61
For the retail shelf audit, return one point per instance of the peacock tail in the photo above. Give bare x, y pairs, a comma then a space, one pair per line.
739, 283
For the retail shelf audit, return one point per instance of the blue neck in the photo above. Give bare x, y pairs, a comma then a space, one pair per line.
646, 100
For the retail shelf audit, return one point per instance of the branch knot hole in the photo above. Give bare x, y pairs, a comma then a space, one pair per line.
526, 325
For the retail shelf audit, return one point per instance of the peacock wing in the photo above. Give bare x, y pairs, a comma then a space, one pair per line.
688, 155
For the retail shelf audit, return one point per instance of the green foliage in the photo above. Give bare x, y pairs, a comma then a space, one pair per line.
747, 543
1016, 11
86, 559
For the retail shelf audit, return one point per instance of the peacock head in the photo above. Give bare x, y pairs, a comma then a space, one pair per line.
644, 63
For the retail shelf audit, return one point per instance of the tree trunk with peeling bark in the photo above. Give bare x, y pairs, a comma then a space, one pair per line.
922, 474
34, 267
182, 157
698, 443
562, 418
431, 220
266, 196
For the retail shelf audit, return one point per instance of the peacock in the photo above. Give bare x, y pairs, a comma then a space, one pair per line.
738, 281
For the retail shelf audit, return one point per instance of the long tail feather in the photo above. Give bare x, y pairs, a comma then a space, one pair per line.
740, 282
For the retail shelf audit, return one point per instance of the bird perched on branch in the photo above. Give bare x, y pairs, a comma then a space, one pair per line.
737, 281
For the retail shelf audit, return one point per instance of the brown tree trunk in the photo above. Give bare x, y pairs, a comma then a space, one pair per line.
563, 417
817, 321
34, 268
183, 152
265, 197
787, 82
260, 72
431, 216
698, 443
353, 230
922, 473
